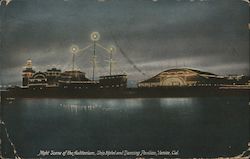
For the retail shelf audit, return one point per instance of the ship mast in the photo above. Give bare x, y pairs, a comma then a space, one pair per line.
110, 64
73, 61
94, 63
74, 49
111, 51
95, 36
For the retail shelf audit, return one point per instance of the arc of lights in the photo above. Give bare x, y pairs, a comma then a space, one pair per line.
94, 36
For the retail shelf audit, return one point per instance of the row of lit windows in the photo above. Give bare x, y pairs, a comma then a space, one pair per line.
113, 86
38, 88
112, 77
155, 84
5, 86
53, 74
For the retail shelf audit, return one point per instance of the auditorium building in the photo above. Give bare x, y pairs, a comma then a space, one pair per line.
191, 77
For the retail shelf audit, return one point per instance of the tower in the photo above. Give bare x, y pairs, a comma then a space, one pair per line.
27, 72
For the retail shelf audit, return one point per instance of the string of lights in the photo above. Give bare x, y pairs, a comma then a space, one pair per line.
127, 58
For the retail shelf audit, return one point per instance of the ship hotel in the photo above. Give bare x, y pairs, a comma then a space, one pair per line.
73, 79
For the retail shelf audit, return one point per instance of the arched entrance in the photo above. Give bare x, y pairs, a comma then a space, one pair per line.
173, 81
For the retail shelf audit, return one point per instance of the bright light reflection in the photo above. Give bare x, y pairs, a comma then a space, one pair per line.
170, 102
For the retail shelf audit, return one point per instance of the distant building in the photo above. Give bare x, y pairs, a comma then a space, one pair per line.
190, 77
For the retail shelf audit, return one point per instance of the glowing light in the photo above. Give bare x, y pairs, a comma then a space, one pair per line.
95, 36
112, 49
74, 49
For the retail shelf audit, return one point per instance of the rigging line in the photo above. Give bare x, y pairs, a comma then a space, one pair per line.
126, 56
102, 47
84, 49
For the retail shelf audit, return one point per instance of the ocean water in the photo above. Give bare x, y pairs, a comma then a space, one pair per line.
192, 127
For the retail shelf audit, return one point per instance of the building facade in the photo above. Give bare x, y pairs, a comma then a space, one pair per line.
191, 77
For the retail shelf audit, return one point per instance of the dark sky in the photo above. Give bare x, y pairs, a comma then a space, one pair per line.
210, 35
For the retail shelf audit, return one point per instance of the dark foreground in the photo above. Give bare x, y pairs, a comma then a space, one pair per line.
193, 127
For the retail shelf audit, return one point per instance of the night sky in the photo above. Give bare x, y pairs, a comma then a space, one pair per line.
209, 35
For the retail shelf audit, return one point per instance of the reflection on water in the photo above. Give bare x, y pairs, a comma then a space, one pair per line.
173, 102
194, 126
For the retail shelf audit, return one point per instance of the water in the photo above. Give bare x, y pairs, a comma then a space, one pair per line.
195, 127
